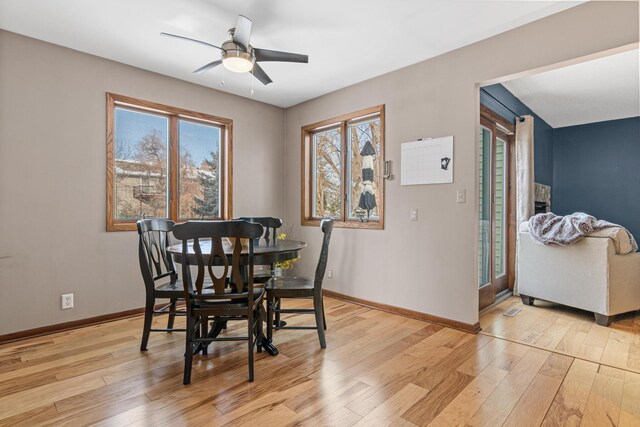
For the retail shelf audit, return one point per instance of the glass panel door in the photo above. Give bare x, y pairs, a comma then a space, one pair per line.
493, 236
484, 238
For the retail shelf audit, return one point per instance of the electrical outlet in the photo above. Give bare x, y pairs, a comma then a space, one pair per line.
67, 301
330, 273
413, 214
461, 196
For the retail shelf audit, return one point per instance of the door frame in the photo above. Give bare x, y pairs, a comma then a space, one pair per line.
505, 130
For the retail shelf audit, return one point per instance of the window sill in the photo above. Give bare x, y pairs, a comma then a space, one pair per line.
371, 225
122, 226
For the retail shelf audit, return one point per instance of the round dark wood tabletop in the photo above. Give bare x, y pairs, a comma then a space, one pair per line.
263, 253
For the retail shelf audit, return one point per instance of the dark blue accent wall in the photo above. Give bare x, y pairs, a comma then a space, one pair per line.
543, 133
597, 171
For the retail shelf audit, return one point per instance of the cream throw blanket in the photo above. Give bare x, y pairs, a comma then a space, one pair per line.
551, 229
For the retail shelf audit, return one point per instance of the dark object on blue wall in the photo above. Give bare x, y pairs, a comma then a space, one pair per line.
597, 171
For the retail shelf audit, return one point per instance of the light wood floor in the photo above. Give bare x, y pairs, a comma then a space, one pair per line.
378, 369
568, 331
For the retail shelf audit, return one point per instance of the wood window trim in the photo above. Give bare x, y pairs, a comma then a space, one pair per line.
306, 183
174, 114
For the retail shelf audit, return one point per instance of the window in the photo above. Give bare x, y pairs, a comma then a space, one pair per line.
165, 162
342, 162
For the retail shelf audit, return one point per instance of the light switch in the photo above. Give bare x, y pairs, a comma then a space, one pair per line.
461, 196
413, 214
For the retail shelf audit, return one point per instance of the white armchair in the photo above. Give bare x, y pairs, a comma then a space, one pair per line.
598, 273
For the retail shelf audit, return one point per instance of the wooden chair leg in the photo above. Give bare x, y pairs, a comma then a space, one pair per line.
260, 312
250, 345
270, 302
148, 320
317, 308
277, 305
204, 330
172, 313
188, 352
324, 319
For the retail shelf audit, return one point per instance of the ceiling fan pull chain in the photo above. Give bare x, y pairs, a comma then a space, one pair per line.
252, 82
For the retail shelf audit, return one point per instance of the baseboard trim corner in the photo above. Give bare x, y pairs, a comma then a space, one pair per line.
466, 327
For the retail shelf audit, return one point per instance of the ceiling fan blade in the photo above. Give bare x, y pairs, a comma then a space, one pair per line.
190, 39
263, 55
259, 74
242, 33
209, 66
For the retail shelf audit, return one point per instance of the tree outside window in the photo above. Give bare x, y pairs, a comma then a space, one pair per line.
164, 162
342, 164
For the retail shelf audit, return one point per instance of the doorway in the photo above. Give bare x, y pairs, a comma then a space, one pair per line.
496, 239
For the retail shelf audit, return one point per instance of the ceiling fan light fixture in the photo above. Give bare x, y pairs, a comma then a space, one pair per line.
238, 61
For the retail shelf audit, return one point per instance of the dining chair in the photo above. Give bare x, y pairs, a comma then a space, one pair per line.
159, 275
269, 236
226, 300
279, 288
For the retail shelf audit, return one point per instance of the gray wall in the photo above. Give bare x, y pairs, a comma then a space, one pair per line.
52, 177
431, 265
597, 171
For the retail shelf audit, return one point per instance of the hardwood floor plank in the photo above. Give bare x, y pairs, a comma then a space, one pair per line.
630, 406
594, 344
393, 408
437, 399
352, 370
96, 413
603, 405
536, 400
633, 359
32, 398
35, 416
569, 331
480, 360
552, 336
341, 418
445, 367
378, 369
616, 352
331, 400
505, 397
573, 340
469, 400
569, 403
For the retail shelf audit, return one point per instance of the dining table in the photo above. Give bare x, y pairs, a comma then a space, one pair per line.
265, 252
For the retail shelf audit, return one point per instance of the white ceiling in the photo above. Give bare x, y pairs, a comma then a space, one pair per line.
347, 41
604, 89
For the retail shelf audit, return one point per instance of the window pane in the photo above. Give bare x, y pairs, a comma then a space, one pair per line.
363, 196
140, 173
199, 170
327, 172
485, 207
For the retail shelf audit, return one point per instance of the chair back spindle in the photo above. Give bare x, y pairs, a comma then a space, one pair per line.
270, 226
211, 236
153, 243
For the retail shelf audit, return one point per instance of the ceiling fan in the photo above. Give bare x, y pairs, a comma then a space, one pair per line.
239, 56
